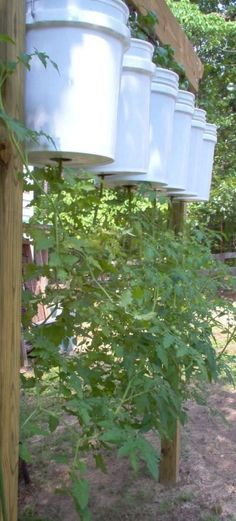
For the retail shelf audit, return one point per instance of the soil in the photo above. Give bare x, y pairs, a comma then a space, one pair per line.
206, 490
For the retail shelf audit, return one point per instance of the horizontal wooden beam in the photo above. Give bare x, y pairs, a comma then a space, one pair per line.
168, 31
225, 255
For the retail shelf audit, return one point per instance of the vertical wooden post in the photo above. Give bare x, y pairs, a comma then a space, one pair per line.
12, 24
170, 458
170, 449
177, 216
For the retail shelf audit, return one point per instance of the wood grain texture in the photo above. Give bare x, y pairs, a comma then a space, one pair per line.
170, 459
168, 31
170, 449
177, 213
11, 23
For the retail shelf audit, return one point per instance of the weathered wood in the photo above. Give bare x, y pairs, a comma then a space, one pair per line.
224, 255
168, 31
170, 458
12, 24
170, 449
177, 211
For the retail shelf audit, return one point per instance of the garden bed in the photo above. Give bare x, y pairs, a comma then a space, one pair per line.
205, 492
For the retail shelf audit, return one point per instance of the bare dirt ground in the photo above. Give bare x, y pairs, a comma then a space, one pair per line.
206, 490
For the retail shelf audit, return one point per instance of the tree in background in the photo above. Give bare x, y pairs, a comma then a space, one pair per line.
212, 29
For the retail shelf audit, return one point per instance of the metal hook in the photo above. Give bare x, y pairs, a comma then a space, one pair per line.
32, 8
134, 14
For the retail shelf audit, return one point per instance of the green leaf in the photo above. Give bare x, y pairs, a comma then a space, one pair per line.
60, 458
53, 422
44, 243
80, 493
114, 435
24, 453
161, 353
55, 260
168, 340
125, 299
150, 456
100, 463
146, 316
25, 59
7, 39
134, 461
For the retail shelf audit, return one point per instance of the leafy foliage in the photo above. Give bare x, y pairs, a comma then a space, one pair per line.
17, 132
143, 27
131, 294
212, 31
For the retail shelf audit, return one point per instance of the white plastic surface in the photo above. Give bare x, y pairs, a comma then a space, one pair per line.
178, 158
78, 106
27, 211
195, 153
204, 175
163, 94
132, 145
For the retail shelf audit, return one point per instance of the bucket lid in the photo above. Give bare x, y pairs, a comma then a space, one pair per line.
194, 199
109, 15
127, 178
165, 81
183, 194
116, 8
185, 101
199, 118
139, 56
210, 133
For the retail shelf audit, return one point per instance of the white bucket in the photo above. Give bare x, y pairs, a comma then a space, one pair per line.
27, 211
204, 176
78, 106
178, 158
194, 157
132, 146
164, 90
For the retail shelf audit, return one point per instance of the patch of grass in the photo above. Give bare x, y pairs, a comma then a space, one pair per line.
30, 518
30, 515
166, 505
230, 360
185, 497
211, 517
143, 496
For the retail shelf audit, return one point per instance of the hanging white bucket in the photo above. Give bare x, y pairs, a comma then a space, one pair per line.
27, 211
132, 146
195, 150
78, 106
164, 90
204, 176
178, 158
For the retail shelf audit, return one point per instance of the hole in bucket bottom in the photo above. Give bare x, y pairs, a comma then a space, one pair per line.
60, 159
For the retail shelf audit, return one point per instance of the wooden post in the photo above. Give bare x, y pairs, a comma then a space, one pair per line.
170, 458
177, 216
169, 31
12, 24
170, 449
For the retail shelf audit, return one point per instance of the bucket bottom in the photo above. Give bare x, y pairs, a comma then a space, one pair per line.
51, 158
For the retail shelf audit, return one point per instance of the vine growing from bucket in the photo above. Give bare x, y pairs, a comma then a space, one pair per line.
131, 295
138, 312
143, 26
